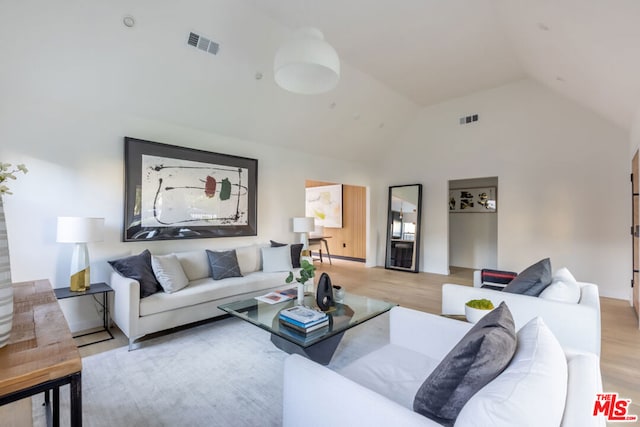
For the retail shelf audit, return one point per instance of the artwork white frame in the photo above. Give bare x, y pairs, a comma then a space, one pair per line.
324, 204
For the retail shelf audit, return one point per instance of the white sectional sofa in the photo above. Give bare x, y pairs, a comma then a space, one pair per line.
544, 384
576, 326
137, 317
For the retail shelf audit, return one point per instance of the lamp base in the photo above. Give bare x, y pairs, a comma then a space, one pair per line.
80, 277
79, 281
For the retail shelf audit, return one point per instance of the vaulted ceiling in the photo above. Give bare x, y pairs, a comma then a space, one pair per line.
434, 50
397, 57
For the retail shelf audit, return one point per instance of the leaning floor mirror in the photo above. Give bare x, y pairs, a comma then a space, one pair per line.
403, 227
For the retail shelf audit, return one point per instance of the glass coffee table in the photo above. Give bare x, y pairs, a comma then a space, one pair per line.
320, 345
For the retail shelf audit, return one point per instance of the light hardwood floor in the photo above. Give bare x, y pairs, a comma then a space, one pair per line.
620, 359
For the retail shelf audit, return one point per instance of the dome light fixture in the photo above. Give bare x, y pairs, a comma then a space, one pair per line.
307, 64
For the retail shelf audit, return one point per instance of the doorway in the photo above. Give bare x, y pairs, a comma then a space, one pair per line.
473, 223
348, 242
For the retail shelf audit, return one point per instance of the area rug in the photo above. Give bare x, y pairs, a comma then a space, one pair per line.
223, 373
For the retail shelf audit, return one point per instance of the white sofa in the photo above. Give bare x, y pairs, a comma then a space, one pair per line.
575, 325
138, 317
378, 389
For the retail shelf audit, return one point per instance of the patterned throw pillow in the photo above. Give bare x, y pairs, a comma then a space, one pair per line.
223, 264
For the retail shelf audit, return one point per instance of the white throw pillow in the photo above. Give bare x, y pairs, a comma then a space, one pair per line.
564, 274
563, 288
169, 272
248, 259
531, 390
195, 264
276, 259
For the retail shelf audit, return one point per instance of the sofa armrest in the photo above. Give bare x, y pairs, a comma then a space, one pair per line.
314, 395
126, 306
428, 334
576, 326
585, 382
477, 278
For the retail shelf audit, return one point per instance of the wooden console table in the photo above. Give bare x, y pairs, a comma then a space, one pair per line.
41, 354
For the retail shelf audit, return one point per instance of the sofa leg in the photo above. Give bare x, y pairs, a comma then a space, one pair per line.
131, 341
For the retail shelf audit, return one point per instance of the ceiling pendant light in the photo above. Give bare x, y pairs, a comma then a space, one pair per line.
306, 64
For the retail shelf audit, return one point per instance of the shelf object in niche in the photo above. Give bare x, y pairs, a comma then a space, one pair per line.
481, 199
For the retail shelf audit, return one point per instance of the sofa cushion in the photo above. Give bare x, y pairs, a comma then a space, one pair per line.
479, 357
532, 387
563, 288
169, 273
533, 280
393, 371
205, 290
138, 267
223, 264
276, 259
296, 250
195, 264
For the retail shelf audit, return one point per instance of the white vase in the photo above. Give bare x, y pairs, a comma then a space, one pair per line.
474, 314
301, 294
6, 291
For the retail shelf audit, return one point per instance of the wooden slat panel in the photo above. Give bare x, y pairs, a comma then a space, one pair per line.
350, 240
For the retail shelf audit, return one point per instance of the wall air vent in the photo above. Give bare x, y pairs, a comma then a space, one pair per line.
203, 43
468, 119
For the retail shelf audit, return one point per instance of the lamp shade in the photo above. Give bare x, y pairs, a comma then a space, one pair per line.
303, 224
307, 64
73, 229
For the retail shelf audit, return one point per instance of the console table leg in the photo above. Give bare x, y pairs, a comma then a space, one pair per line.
76, 400
56, 406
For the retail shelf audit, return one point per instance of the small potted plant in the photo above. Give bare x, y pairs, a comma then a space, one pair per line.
475, 309
307, 271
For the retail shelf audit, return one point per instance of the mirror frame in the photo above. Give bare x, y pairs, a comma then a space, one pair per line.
416, 241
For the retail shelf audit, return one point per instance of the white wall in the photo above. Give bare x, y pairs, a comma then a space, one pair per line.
75, 157
473, 237
563, 173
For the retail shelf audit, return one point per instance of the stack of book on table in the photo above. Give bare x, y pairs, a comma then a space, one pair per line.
303, 319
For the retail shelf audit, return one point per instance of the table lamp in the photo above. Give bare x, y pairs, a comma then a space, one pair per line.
80, 231
304, 225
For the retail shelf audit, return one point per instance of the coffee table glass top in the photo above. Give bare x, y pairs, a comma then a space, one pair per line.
354, 310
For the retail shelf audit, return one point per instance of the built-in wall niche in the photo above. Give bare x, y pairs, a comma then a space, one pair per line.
473, 222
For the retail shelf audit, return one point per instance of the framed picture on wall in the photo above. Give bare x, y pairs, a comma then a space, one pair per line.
482, 199
324, 203
174, 192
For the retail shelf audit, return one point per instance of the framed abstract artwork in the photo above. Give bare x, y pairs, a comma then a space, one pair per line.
175, 192
324, 203
481, 199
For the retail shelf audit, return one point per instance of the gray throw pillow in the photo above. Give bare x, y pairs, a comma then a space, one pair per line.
138, 267
296, 250
223, 264
533, 280
480, 356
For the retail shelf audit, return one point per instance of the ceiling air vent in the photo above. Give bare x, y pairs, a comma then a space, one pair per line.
468, 119
203, 43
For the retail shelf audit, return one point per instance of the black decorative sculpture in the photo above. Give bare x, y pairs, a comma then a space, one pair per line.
324, 294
